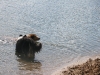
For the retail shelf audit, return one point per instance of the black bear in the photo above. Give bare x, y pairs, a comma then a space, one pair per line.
27, 46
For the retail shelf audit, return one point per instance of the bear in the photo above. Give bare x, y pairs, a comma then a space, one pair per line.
33, 36
27, 46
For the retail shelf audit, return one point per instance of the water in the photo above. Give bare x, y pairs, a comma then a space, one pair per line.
69, 30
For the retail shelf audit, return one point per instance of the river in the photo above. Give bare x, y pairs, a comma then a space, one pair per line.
69, 30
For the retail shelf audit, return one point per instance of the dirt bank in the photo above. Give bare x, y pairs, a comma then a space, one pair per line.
90, 67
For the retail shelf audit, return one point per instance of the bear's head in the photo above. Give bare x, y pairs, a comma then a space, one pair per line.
33, 36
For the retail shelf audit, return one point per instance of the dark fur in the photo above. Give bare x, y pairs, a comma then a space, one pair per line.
27, 47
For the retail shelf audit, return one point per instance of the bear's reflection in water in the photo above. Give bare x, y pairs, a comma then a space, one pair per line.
29, 67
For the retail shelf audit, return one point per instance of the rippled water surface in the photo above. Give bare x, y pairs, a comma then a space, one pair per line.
69, 30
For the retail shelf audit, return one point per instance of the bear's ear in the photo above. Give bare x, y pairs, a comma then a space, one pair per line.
24, 36
20, 35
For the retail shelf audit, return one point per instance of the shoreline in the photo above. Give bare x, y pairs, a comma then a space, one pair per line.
79, 63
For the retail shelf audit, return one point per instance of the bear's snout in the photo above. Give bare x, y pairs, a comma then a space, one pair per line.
36, 39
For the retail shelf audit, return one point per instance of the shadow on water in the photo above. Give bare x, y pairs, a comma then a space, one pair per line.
28, 67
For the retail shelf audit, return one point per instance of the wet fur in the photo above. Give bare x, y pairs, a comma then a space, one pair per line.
27, 47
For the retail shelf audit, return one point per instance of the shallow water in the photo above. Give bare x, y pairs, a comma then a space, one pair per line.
69, 30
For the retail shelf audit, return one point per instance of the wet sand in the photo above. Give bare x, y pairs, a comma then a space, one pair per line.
90, 67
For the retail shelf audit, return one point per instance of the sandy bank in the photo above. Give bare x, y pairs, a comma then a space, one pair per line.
89, 66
